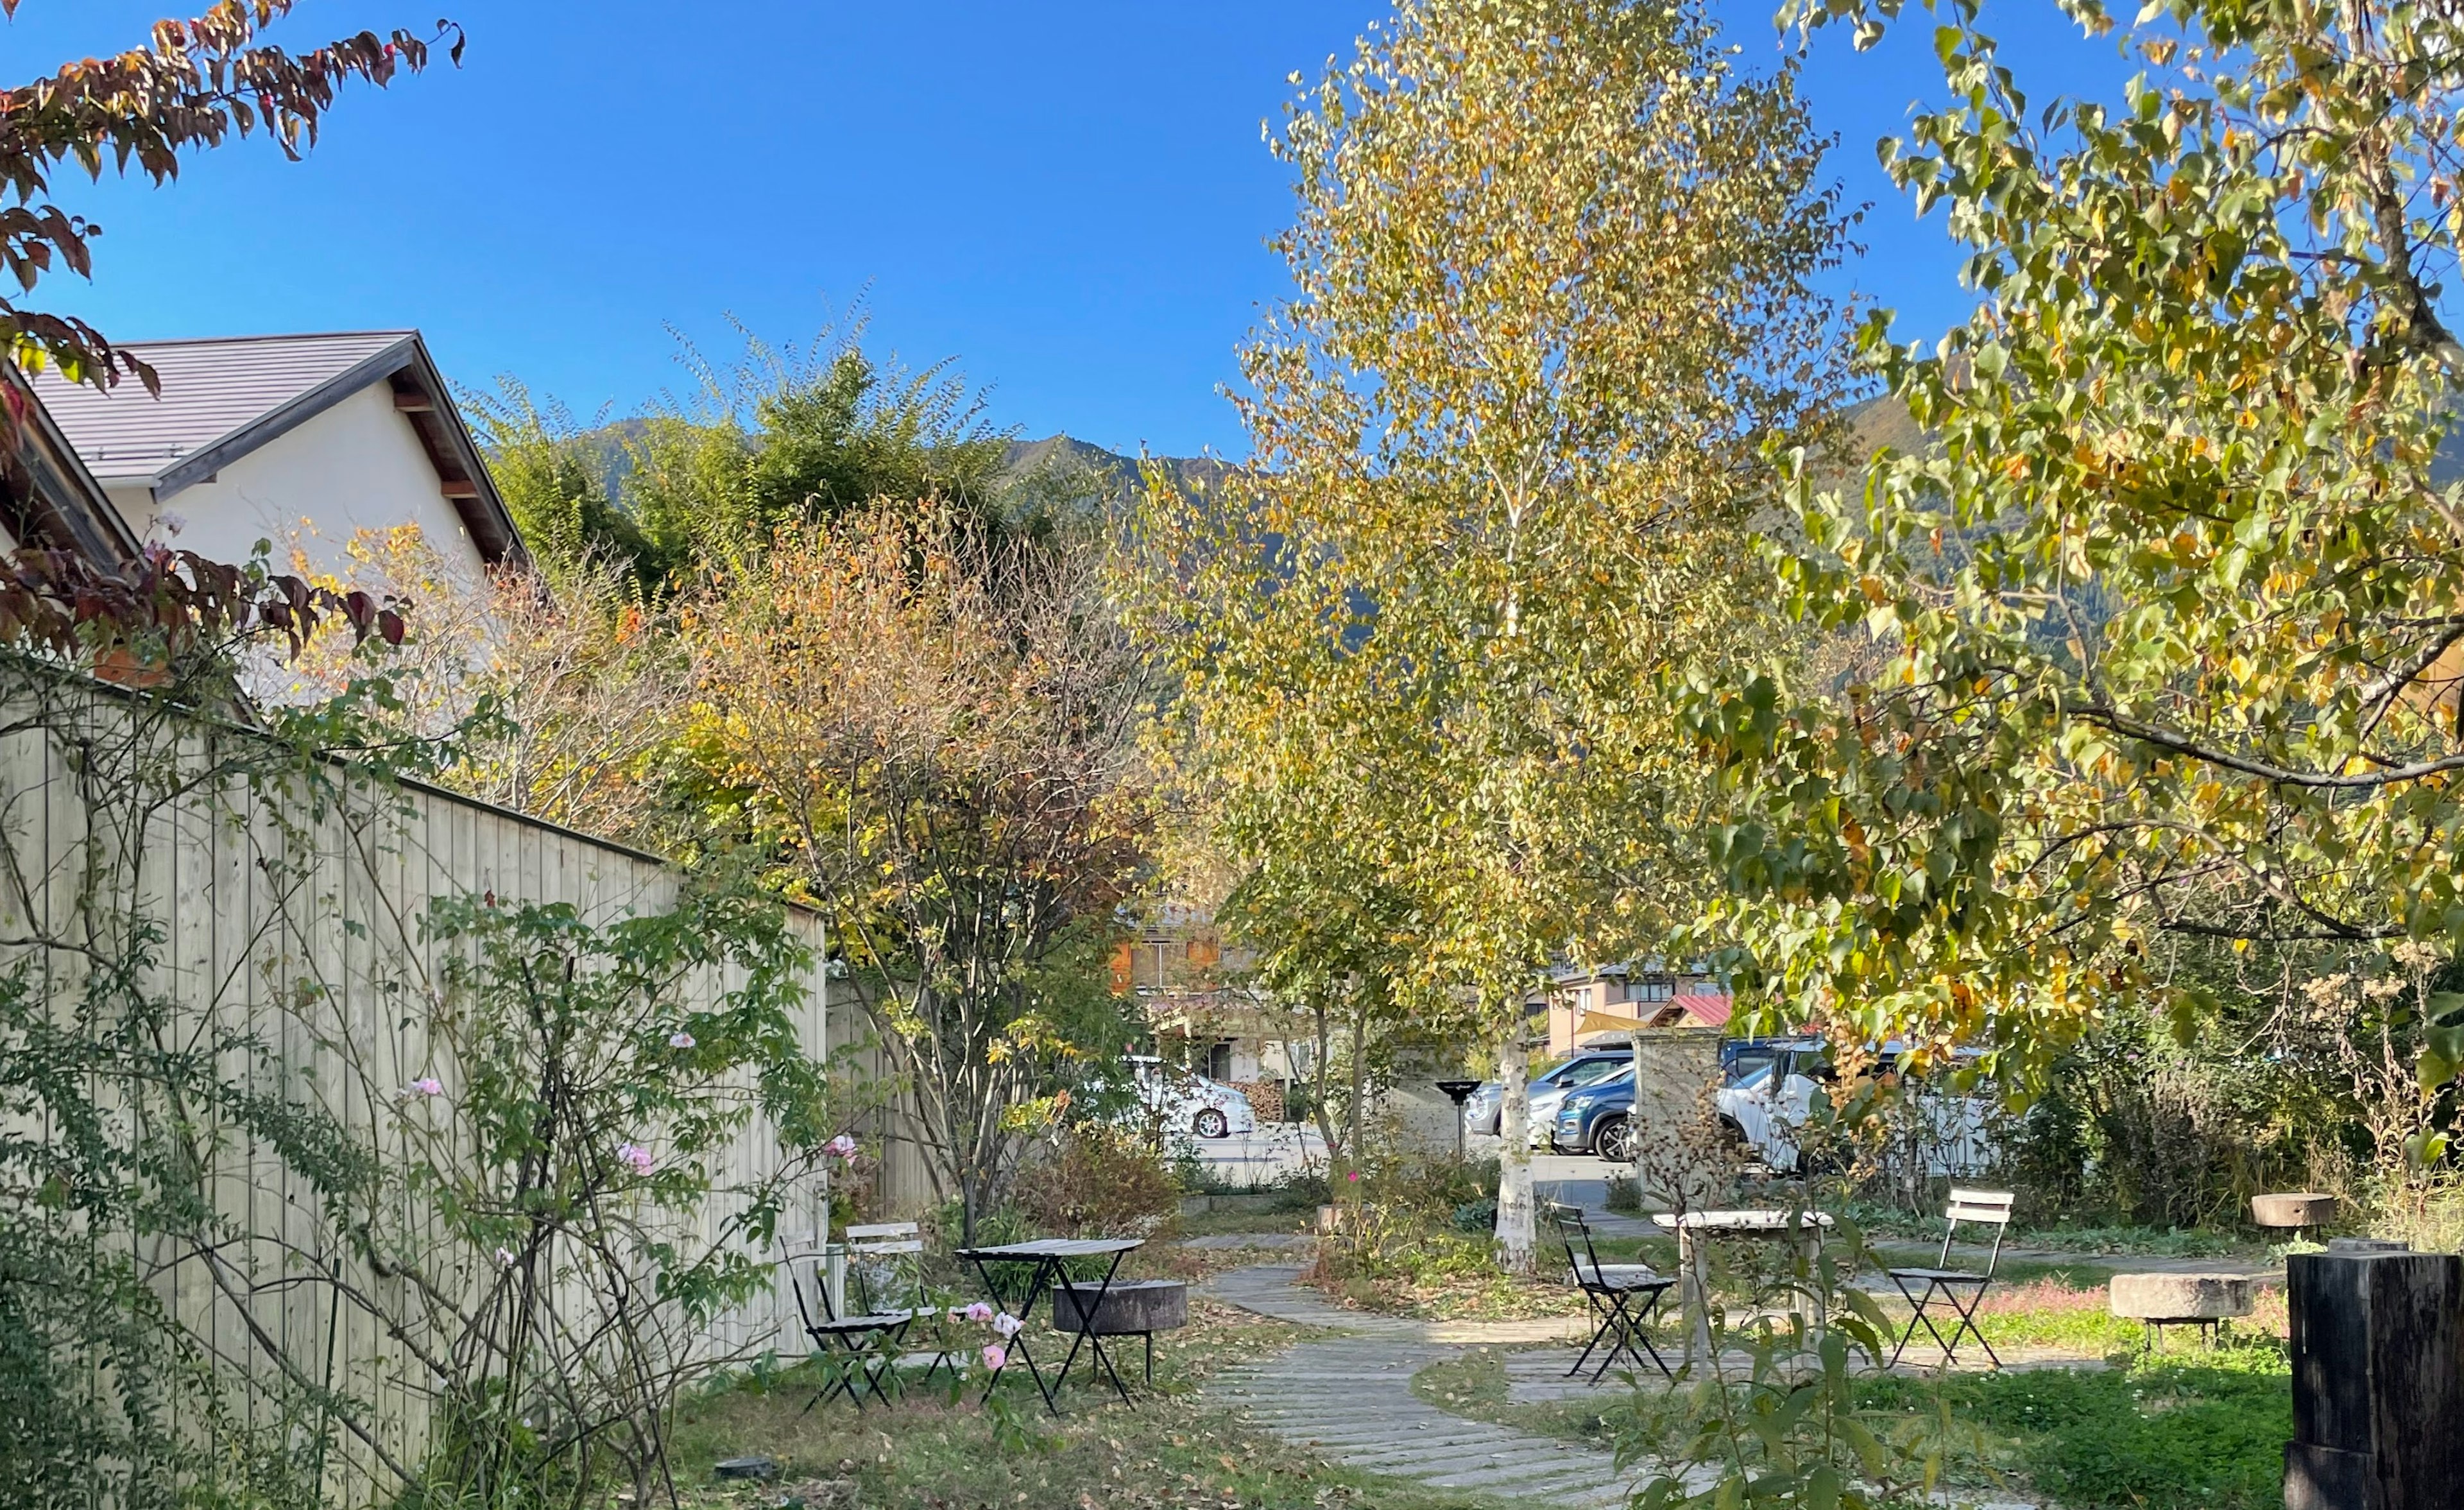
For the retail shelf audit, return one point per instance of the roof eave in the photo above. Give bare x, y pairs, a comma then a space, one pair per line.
68, 507
460, 469
408, 369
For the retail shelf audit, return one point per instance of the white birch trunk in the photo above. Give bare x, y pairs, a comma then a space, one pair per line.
1514, 1210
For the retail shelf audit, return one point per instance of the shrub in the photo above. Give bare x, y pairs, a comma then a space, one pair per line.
1626, 1193
1100, 1181
1302, 1189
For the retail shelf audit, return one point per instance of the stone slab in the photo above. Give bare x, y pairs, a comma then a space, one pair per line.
2180, 1296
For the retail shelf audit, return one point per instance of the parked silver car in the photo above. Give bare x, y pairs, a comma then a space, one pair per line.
1483, 1109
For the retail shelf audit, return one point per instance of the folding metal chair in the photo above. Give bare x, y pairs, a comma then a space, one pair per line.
869, 1338
1982, 1208
1611, 1291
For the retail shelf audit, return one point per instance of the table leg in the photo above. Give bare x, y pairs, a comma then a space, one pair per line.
1809, 1301
1088, 1316
1016, 1347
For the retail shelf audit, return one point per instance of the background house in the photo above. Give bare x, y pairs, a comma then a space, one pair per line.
1592, 1003
300, 440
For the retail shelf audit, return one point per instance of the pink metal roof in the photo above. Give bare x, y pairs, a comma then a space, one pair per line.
1709, 1008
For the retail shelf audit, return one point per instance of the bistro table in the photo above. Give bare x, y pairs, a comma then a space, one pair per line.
1045, 1261
1803, 1229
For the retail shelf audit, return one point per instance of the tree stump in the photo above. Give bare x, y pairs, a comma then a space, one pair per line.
2294, 1211
2378, 1379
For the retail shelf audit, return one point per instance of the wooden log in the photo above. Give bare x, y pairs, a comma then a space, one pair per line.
2297, 1209
2378, 1379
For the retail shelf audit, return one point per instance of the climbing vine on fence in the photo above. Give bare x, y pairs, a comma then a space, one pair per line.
321, 1182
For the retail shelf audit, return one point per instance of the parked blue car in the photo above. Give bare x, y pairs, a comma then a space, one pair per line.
1598, 1119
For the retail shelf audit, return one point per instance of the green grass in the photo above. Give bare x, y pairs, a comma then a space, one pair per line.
2196, 1429
2206, 1431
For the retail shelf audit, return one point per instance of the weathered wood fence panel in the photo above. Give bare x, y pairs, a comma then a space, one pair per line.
287, 907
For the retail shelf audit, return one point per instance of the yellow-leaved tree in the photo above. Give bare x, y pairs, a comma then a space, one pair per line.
1554, 264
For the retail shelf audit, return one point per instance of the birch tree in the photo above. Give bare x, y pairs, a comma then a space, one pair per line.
2167, 622
1552, 263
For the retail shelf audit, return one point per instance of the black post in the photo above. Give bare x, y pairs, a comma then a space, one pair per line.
1459, 1092
2378, 1378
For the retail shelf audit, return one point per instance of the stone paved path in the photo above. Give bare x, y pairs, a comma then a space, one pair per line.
1349, 1397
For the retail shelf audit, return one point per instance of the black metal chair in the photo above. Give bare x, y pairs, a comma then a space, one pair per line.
866, 1343
1613, 1292
1963, 1290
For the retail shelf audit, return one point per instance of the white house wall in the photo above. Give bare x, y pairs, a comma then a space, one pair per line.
359, 465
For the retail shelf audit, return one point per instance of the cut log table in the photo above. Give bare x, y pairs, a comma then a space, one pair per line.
2205, 1301
1803, 1229
2294, 1210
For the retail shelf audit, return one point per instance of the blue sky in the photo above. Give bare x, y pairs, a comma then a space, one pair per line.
1070, 198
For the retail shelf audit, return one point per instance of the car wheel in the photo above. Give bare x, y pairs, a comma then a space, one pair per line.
1212, 1123
1614, 1140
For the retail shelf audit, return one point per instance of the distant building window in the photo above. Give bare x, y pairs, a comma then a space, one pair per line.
1653, 988
1219, 1060
1148, 970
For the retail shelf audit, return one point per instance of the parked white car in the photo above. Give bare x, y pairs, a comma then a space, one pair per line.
1183, 1101
1766, 1117
1767, 1107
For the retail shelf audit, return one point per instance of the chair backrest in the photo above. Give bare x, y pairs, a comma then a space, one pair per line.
1571, 1225
876, 1247
1987, 1208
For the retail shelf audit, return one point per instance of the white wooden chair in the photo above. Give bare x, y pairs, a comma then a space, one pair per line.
871, 1334
1963, 1290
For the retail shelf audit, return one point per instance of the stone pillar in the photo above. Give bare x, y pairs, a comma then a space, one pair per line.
2378, 1378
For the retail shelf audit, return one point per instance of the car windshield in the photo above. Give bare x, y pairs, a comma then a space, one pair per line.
1755, 1078
1590, 1072
1745, 1065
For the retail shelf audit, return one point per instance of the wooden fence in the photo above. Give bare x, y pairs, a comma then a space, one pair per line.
285, 904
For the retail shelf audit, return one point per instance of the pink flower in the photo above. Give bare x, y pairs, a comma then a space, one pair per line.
841, 1146
1007, 1325
425, 1085
978, 1312
1353, 1177
996, 1357
680, 1039
637, 1156
505, 1256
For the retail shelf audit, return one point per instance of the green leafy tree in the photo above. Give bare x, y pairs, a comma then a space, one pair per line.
2169, 612
1553, 261
796, 437
554, 483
